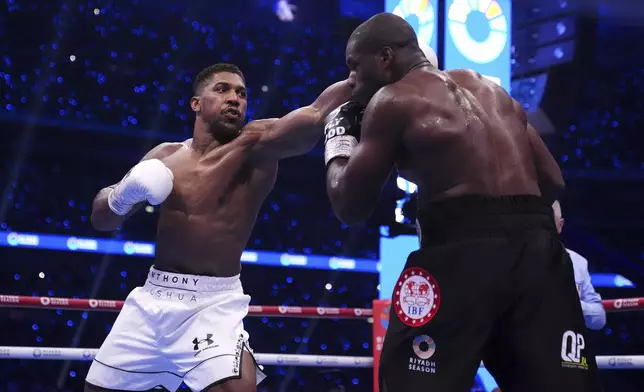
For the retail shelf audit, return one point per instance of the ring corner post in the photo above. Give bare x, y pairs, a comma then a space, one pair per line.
380, 323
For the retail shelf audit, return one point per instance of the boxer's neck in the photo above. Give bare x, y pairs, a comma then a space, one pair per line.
408, 64
204, 140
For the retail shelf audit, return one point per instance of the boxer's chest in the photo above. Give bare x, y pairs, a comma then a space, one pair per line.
222, 178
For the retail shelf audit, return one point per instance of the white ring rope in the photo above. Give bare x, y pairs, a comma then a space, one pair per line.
88, 354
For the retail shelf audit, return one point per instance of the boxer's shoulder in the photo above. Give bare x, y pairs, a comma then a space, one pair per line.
388, 110
252, 132
391, 97
164, 150
464, 73
401, 100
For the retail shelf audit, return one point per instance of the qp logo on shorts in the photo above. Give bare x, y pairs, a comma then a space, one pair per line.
416, 297
572, 344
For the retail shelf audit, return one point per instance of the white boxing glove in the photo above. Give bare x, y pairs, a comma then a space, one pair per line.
149, 181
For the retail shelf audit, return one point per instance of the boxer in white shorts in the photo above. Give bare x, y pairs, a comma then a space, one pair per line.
186, 322
172, 326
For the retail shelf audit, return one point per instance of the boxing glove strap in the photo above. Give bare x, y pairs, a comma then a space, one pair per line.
339, 147
117, 204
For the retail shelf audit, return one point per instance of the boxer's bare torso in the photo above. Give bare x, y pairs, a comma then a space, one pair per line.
463, 134
206, 221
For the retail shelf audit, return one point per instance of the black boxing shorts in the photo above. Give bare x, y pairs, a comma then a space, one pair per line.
491, 282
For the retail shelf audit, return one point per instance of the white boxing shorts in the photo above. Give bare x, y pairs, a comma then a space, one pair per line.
176, 328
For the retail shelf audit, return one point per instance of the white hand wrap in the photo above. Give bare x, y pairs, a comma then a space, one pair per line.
339, 147
117, 204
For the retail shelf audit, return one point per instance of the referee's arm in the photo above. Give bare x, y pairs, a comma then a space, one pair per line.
591, 301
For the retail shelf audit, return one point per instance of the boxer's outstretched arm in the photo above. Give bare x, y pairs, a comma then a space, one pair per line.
299, 131
103, 218
354, 184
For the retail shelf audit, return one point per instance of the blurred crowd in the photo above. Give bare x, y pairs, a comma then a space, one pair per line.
88, 86
131, 65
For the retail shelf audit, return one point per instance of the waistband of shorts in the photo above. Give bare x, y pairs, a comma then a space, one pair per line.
479, 213
198, 283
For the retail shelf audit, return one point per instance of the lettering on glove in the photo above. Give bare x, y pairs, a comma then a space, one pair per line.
342, 131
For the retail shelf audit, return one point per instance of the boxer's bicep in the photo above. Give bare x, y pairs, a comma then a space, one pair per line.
300, 130
354, 185
294, 134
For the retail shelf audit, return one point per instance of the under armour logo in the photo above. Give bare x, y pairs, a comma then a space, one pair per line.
207, 340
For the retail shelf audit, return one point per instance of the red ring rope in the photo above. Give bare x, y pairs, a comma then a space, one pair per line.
19, 301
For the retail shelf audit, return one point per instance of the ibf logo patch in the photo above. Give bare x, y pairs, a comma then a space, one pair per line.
572, 345
416, 297
201, 345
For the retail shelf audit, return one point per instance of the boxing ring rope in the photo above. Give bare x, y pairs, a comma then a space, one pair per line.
20, 301
87, 354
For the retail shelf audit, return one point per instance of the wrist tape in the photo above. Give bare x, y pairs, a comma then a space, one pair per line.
339, 146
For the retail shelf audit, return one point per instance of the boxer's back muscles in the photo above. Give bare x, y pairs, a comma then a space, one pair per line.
465, 135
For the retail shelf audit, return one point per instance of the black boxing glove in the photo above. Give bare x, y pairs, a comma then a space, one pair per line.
342, 131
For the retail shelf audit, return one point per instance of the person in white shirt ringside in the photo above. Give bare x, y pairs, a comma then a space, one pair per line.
591, 301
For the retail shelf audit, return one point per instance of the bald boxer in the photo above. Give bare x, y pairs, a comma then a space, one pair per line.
186, 322
491, 281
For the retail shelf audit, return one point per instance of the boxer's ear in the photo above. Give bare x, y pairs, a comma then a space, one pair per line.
195, 104
386, 55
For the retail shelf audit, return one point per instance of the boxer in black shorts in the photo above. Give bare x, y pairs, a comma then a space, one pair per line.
491, 281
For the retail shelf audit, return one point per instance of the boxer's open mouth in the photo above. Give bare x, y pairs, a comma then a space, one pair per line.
232, 112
